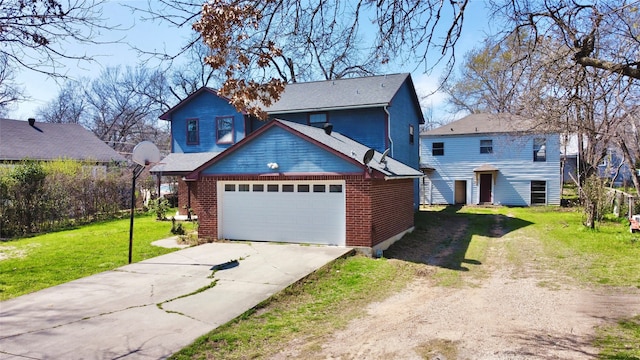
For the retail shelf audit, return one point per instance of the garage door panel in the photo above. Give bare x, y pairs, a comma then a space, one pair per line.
300, 217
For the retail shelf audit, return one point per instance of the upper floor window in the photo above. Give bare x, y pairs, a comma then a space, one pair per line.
411, 137
486, 146
437, 148
224, 129
317, 119
193, 134
539, 149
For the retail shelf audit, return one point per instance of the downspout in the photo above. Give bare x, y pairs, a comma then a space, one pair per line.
389, 130
189, 200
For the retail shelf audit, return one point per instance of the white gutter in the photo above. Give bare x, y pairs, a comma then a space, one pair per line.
389, 130
403, 177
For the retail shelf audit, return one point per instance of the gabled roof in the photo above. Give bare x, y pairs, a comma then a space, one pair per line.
343, 146
182, 163
49, 141
350, 93
487, 124
167, 114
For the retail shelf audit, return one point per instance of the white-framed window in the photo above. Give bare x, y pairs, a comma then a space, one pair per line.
437, 149
193, 133
539, 149
486, 146
224, 129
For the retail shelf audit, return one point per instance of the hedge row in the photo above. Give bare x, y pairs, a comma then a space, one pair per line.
43, 196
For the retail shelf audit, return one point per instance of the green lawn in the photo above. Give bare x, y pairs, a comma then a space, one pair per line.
326, 301
38, 262
608, 255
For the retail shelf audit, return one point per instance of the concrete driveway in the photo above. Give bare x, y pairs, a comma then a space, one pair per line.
151, 309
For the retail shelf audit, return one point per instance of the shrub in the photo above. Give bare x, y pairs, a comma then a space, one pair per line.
159, 206
176, 227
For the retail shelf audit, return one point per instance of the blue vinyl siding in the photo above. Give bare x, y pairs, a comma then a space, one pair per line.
292, 154
204, 107
403, 112
512, 156
366, 126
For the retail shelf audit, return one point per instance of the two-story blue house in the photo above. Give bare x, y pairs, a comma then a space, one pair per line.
497, 159
380, 113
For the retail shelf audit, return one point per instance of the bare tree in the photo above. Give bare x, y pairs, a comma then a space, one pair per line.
10, 92
35, 33
121, 110
595, 34
69, 106
185, 79
492, 79
259, 46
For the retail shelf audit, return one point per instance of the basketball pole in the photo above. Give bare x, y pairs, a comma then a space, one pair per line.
136, 172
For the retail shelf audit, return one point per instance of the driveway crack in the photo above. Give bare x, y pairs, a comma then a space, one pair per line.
75, 321
195, 292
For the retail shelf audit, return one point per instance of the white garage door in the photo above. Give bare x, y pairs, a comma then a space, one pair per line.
297, 211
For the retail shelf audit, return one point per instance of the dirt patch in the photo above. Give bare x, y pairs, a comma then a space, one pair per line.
11, 252
518, 311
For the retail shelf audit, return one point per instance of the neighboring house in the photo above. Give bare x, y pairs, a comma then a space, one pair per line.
21, 140
381, 112
490, 159
290, 182
612, 167
569, 158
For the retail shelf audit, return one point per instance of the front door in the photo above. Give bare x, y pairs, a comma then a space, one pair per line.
485, 188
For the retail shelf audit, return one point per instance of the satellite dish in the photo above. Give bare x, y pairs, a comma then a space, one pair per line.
145, 153
368, 156
383, 159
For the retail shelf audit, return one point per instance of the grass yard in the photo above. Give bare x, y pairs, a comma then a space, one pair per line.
35, 263
608, 255
328, 300
310, 311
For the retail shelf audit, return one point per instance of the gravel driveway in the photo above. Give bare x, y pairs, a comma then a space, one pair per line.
507, 310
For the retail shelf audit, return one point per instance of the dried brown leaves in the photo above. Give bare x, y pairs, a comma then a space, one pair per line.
224, 27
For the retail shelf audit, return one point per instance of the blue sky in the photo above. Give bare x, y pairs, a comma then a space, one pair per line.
157, 36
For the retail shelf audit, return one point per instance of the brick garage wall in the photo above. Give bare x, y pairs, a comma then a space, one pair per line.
359, 214
358, 205
392, 208
206, 209
183, 196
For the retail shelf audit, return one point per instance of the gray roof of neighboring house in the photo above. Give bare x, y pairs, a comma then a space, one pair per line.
49, 141
371, 91
182, 163
353, 149
486, 124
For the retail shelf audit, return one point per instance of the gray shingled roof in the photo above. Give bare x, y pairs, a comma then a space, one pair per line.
485, 124
368, 91
47, 141
354, 149
182, 163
